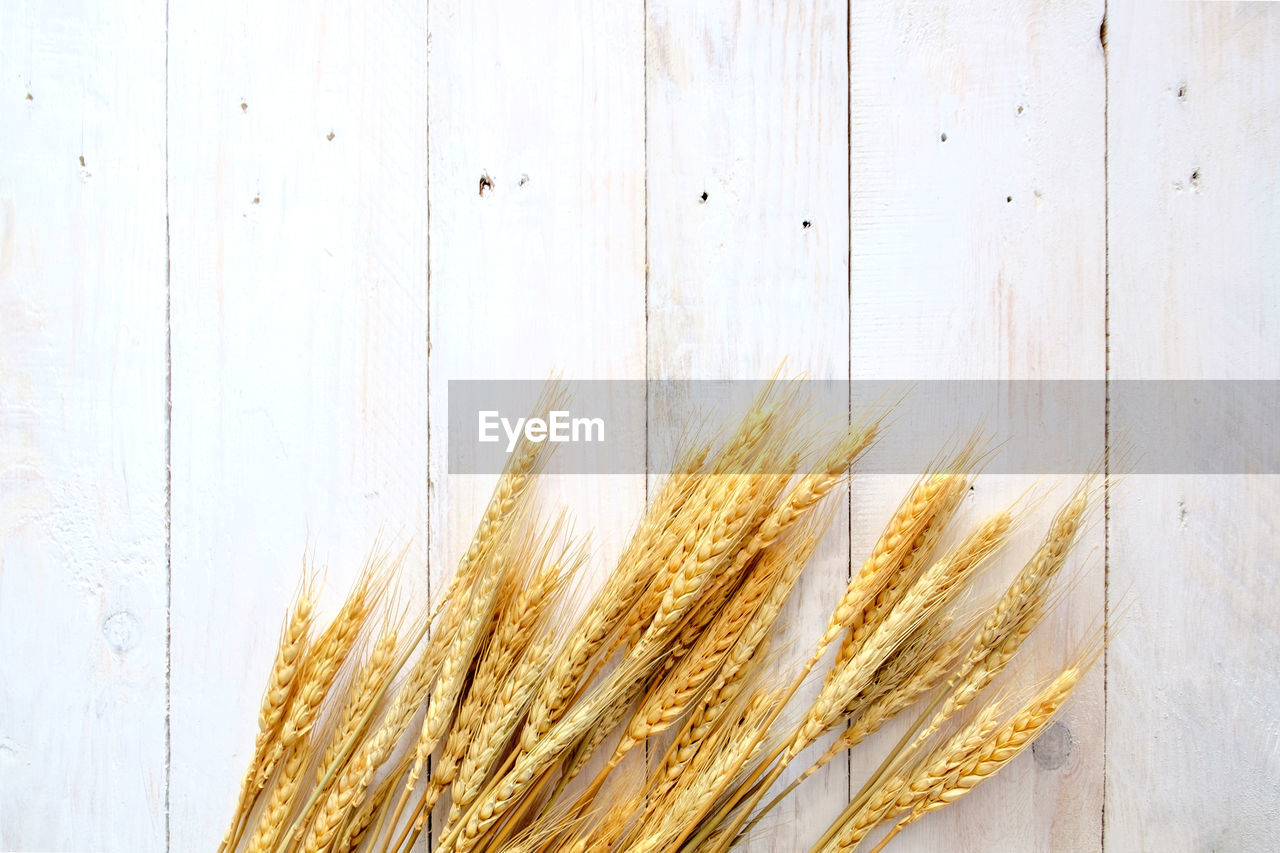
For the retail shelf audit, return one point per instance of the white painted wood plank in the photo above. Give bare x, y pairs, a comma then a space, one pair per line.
82, 427
978, 242
298, 176
748, 247
1192, 759
543, 271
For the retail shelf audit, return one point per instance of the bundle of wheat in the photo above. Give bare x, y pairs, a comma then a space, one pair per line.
487, 711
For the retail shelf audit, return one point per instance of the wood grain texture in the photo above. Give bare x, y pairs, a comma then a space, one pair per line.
366, 201
540, 269
298, 211
977, 154
1192, 734
748, 250
82, 428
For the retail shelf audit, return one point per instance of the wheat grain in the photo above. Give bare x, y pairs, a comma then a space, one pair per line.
281, 686
369, 685
935, 589
791, 554
673, 694
973, 764
646, 552
329, 653
276, 813
902, 552
501, 719
691, 802
901, 793
456, 664
1014, 615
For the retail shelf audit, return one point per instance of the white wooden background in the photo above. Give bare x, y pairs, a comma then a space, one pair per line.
243, 248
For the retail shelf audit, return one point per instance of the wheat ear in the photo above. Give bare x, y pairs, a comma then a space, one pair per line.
507, 790
899, 793
501, 719
765, 587
369, 685
980, 764
910, 672
275, 814
899, 560
1014, 615
326, 657
518, 620
935, 589
455, 666
330, 651
809, 492
281, 686
792, 554
646, 552
694, 799
885, 558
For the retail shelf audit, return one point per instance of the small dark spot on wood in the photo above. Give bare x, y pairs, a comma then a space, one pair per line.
703, 198
244, 107
82, 160
806, 224
1102, 32
1008, 199
331, 136
1182, 92
486, 184
30, 97
1020, 109
943, 137
1053, 748
524, 179
1195, 176
257, 199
